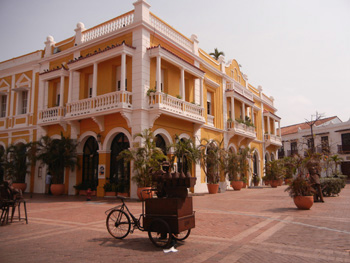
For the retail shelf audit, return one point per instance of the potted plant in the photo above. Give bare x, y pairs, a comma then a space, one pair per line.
110, 189
230, 164
266, 180
290, 166
245, 155
256, 179
16, 159
57, 154
210, 156
274, 171
146, 158
301, 192
84, 186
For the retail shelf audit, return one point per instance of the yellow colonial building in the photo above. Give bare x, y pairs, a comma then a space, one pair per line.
131, 73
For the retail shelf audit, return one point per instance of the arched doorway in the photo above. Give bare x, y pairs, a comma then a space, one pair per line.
119, 171
256, 165
90, 162
160, 143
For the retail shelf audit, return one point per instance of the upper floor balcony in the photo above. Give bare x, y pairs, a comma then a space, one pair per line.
163, 103
344, 149
241, 130
272, 139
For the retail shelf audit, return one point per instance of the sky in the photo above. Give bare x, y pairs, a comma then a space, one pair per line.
297, 50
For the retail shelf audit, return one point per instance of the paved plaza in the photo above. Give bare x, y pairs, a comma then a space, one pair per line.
251, 225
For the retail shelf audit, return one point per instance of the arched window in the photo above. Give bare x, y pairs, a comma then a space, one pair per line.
90, 161
119, 172
160, 143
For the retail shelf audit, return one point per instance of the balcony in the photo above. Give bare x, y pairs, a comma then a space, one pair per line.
162, 103
241, 130
271, 139
51, 115
100, 105
344, 149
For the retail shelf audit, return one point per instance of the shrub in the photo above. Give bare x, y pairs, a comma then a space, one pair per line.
332, 186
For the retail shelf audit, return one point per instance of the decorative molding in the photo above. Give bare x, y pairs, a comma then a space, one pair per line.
100, 121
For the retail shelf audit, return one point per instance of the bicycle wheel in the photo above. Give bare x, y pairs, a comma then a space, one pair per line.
182, 235
159, 233
118, 224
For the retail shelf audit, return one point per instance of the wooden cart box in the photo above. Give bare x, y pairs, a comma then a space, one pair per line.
176, 224
178, 207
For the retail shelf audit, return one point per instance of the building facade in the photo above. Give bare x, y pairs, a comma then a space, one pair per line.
112, 81
331, 137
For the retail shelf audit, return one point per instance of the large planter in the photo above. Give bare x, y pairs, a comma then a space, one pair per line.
145, 194
267, 182
213, 188
274, 183
57, 189
256, 183
237, 185
244, 185
280, 182
20, 186
82, 192
123, 194
303, 202
110, 194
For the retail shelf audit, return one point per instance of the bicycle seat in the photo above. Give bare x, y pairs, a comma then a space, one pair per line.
121, 197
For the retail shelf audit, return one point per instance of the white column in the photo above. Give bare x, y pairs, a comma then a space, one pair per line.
158, 73
123, 73
233, 109
243, 111
70, 87
45, 94
268, 125
251, 114
12, 109
61, 91
279, 128
94, 80
182, 84
201, 92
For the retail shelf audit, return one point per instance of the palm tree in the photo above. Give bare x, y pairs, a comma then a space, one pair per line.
216, 54
336, 160
211, 155
230, 165
146, 159
58, 154
16, 159
185, 153
244, 156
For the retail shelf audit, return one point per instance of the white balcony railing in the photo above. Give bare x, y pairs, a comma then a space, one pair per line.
108, 27
241, 129
273, 139
210, 120
171, 33
240, 90
159, 100
118, 99
51, 114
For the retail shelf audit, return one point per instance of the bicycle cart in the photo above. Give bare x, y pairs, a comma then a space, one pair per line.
166, 218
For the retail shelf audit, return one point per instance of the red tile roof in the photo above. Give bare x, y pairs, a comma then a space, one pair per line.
303, 126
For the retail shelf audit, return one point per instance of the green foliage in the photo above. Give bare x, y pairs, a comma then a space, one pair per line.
147, 158
58, 154
299, 187
290, 165
110, 187
85, 186
216, 54
230, 165
274, 170
16, 159
332, 186
185, 151
211, 155
149, 91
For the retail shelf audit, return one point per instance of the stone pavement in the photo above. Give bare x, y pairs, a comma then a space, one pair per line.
251, 225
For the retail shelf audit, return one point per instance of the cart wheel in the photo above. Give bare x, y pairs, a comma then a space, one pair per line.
182, 235
159, 233
118, 224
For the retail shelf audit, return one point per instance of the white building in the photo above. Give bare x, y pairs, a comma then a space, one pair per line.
331, 136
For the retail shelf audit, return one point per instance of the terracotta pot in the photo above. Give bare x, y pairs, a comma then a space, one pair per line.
213, 188
267, 182
244, 185
280, 182
256, 184
145, 194
82, 192
303, 202
274, 183
110, 193
57, 189
237, 185
287, 181
20, 186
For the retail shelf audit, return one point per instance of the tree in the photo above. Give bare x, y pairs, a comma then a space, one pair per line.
216, 54
16, 159
58, 154
186, 153
336, 160
147, 158
230, 165
311, 123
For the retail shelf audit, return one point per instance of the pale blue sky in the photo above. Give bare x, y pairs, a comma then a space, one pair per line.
297, 50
